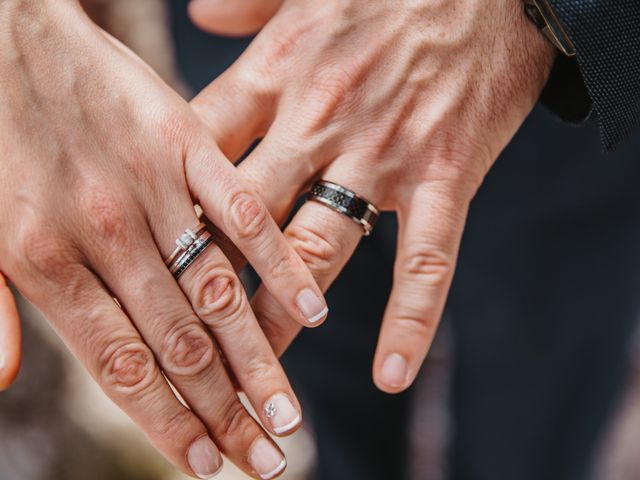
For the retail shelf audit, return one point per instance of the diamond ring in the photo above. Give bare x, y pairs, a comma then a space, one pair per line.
185, 241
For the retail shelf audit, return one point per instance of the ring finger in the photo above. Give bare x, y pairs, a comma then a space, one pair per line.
219, 300
324, 238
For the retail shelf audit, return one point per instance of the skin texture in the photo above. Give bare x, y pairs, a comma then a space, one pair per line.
408, 103
102, 164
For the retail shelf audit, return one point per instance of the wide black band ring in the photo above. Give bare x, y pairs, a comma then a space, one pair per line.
346, 202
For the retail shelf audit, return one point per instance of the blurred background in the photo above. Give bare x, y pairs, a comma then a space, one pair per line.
55, 424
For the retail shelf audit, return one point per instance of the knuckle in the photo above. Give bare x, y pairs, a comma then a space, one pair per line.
249, 218
254, 79
220, 297
335, 86
188, 351
334, 94
412, 326
128, 368
427, 265
314, 247
44, 253
106, 215
274, 54
458, 157
283, 266
172, 125
234, 421
178, 426
259, 368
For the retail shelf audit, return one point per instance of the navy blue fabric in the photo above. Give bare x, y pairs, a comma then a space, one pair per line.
606, 34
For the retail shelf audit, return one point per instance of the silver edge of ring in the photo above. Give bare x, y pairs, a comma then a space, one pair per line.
194, 246
361, 222
338, 208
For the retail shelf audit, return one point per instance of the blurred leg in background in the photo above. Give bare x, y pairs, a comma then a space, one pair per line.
544, 305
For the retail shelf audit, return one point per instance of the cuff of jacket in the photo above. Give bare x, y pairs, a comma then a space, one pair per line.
566, 94
606, 34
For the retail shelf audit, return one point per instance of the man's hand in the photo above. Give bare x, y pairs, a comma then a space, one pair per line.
101, 166
407, 103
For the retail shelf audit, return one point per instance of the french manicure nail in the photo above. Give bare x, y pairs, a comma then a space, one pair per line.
266, 460
204, 458
312, 307
281, 413
394, 371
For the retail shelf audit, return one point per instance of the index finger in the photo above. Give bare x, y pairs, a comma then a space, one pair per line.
236, 209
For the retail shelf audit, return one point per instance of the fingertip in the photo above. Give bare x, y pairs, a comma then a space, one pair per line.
10, 359
10, 337
198, 13
284, 416
393, 375
313, 308
267, 459
204, 458
230, 19
8, 373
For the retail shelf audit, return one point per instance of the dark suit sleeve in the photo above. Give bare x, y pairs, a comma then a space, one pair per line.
604, 77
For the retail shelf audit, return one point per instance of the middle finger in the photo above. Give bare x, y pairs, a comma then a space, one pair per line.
218, 298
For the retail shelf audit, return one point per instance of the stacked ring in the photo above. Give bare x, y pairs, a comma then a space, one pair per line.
184, 241
197, 248
191, 244
346, 202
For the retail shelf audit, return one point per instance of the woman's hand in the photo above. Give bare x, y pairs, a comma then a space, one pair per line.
98, 157
408, 103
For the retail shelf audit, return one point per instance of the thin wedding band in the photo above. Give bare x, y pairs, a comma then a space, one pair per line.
346, 202
197, 248
184, 241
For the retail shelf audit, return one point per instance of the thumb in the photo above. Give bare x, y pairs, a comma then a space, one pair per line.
10, 336
233, 18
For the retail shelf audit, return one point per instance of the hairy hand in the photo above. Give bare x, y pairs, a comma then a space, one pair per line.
407, 103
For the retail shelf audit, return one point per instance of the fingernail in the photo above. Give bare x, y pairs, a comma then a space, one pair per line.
394, 371
312, 307
281, 413
204, 458
266, 460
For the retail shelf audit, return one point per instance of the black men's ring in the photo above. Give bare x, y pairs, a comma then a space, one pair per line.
346, 202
